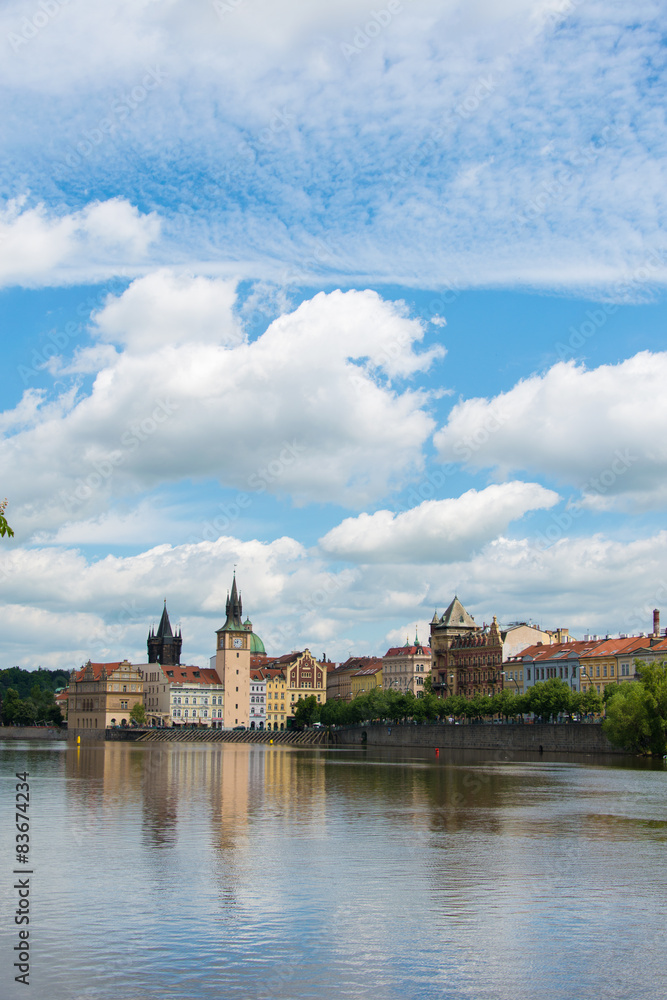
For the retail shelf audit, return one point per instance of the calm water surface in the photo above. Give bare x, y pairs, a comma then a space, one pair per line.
261, 872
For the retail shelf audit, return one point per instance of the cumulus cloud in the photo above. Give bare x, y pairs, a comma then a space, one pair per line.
308, 410
78, 608
165, 308
39, 246
599, 430
437, 531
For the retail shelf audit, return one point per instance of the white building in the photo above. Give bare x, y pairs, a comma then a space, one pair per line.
182, 695
257, 700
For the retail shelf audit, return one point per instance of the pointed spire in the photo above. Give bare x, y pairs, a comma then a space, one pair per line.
164, 628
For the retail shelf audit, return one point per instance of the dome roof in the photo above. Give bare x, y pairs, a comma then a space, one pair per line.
256, 644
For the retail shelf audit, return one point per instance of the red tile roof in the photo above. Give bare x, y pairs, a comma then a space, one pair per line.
408, 651
184, 674
97, 670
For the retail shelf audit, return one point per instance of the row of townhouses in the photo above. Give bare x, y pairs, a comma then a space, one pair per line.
244, 686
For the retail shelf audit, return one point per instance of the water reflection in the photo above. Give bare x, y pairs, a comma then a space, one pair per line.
257, 871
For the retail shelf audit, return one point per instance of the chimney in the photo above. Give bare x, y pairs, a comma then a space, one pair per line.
656, 622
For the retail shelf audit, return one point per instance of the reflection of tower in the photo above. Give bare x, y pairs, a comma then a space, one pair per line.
232, 662
164, 647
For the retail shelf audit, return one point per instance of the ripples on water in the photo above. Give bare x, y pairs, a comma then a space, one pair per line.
264, 872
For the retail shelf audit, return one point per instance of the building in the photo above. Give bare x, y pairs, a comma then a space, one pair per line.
235, 644
405, 668
163, 646
302, 675
182, 695
366, 680
466, 658
61, 697
276, 698
561, 660
339, 679
101, 695
257, 699
517, 636
599, 665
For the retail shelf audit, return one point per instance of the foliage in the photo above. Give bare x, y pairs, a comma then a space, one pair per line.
637, 711
4, 527
23, 681
39, 707
138, 713
549, 699
306, 711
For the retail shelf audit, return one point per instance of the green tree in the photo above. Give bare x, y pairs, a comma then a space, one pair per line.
11, 705
637, 712
591, 702
306, 711
4, 527
548, 699
138, 713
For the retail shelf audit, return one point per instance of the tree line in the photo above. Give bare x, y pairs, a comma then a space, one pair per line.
546, 700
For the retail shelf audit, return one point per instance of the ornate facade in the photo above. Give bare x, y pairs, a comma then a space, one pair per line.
466, 658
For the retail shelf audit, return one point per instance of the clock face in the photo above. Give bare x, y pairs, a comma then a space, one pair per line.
238, 643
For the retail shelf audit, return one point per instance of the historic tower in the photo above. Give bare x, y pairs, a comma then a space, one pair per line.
232, 662
164, 647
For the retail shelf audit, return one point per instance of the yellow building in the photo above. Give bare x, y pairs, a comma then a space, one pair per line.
103, 694
364, 680
601, 665
289, 678
276, 698
339, 680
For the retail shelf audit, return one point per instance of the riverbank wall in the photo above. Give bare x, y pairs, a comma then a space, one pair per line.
579, 738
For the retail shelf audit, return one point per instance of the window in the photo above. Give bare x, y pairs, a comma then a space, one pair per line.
604, 670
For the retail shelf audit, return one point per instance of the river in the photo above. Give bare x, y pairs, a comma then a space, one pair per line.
242, 872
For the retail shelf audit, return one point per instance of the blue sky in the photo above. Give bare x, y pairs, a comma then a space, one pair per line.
365, 301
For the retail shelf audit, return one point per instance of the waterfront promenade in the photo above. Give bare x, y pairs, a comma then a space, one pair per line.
561, 738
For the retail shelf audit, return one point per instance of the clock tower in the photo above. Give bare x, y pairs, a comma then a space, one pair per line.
232, 663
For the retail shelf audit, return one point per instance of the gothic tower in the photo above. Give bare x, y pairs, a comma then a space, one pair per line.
163, 646
232, 662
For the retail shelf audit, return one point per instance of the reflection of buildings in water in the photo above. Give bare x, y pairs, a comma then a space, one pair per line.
103, 780
294, 786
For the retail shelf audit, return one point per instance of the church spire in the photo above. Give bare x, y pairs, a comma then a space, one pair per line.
163, 646
234, 609
164, 628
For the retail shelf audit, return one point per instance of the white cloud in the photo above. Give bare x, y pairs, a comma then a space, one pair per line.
61, 608
437, 531
489, 149
601, 431
165, 308
305, 411
39, 246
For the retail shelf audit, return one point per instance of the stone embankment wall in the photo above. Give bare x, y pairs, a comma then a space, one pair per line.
545, 737
31, 733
